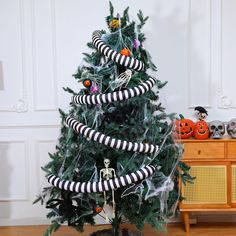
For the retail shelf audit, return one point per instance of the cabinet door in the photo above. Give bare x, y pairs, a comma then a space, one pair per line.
210, 186
233, 183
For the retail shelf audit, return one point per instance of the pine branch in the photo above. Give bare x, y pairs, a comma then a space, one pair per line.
141, 19
69, 90
125, 18
111, 8
52, 228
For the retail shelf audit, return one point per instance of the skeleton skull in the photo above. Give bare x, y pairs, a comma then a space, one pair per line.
216, 129
106, 163
231, 128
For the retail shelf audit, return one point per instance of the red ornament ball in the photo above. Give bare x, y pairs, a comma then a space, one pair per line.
125, 51
98, 209
87, 83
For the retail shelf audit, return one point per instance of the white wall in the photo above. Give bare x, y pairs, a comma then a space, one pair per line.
41, 45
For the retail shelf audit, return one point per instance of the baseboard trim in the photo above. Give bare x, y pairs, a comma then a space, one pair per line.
194, 218
25, 221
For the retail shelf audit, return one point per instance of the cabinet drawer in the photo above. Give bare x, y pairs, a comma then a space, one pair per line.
231, 153
202, 150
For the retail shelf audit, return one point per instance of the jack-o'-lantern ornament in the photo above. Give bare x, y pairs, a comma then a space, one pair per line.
201, 130
114, 23
184, 127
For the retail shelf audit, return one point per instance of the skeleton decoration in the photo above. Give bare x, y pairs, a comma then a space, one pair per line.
108, 173
201, 112
123, 79
216, 129
231, 128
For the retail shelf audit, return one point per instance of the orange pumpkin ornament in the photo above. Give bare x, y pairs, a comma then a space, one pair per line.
87, 83
98, 209
201, 130
125, 52
184, 127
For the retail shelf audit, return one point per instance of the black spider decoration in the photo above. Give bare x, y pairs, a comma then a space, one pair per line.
63, 206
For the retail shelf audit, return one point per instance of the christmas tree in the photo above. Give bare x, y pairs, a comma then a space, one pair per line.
116, 156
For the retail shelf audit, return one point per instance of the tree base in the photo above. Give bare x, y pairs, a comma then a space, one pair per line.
123, 232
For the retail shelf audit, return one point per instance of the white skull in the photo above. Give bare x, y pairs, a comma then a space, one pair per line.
216, 129
231, 128
106, 163
128, 72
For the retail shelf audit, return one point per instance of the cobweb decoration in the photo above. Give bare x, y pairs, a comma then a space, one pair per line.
162, 189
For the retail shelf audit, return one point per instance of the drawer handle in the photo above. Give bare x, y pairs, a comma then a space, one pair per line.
199, 152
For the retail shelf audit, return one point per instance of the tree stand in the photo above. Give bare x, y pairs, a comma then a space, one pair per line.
123, 232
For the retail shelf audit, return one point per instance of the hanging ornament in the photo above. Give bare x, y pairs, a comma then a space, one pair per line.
123, 79
136, 43
115, 23
108, 173
94, 89
98, 209
125, 52
87, 83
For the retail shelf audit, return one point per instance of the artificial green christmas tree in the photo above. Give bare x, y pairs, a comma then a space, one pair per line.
116, 146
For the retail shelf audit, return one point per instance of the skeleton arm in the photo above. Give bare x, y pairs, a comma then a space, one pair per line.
114, 173
101, 175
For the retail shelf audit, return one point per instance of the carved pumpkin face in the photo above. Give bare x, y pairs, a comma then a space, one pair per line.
184, 128
201, 130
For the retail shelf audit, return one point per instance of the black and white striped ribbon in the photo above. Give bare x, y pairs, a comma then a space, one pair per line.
106, 185
123, 60
107, 140
115, 96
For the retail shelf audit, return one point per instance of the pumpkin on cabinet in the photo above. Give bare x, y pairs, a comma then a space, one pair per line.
184, 127
201, 130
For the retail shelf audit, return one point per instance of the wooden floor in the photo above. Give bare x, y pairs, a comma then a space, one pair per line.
199, 229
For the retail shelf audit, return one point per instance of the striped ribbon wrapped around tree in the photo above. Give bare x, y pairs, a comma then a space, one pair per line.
109, 141
128, 62
115, 96
106, 185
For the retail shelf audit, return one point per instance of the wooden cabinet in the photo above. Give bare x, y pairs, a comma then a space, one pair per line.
213, 163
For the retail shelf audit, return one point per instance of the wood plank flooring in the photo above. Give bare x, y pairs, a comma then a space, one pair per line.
199, 229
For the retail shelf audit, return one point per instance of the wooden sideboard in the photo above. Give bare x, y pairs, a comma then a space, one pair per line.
213, 163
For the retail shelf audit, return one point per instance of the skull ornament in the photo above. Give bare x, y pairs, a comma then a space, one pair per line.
106, 163
231, 128
216, 129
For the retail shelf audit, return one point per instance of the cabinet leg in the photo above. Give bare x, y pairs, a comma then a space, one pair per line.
185, 216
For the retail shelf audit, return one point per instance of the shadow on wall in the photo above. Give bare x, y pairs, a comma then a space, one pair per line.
168, 35
5, 172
